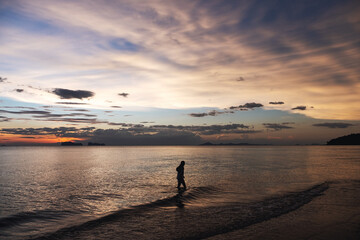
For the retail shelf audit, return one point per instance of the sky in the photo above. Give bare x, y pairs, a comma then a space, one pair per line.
178, 72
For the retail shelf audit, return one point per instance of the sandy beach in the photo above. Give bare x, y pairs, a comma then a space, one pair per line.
324, 211
333, 215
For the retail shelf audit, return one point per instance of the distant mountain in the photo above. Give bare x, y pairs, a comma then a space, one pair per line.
352, 139
71, 144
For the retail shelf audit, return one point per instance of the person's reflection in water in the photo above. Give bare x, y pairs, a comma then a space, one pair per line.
180, 175
179, 198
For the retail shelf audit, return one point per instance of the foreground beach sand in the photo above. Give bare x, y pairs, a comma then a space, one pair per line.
324, 211
333, 215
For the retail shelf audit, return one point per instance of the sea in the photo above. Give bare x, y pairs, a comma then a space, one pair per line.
129, 192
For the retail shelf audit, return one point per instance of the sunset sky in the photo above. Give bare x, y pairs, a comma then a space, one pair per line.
178, 72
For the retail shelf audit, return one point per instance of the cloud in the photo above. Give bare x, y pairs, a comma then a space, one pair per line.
20, 107
69, 94
26, 112
120, 124
210, 113
60, 131
299, 108
123, 94
77, 110
240, 79
215, 113
198, 114
72, 103
209, 130
75, 120
5, 119
47, 114
164, 137
333, 125
136, 134
277, 126
2, 79
58, 115
272, 43
276, 103
246, 106
19, 90
116, 106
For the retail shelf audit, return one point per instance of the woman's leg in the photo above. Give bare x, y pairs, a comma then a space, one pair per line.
183, 183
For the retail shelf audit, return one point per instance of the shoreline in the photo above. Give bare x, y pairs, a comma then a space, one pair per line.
333, 215
169, 220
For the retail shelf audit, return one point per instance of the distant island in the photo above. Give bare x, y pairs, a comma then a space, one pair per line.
71, 144
352, 139
95, 144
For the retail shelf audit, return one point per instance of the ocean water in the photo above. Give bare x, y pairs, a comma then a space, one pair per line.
69, 192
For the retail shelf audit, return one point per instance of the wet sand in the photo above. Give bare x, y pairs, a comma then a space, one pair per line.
177, 218
333, 215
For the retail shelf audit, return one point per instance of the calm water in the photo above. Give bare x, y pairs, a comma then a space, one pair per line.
44, 189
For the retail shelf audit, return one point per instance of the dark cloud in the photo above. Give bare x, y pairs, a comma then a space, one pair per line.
60, 131
146, 122
136, 134
69, 94
164, 137
123, 94
285, 123
209, 130
47, 114
116, 106
210, 113
333, 125
276, 103
19, 90
20, 107
198, 114
25, 112
50, 115
299, 108
276, 126
120, 124
77, 110
246, 106
74, 120
215, 113
57, 117
2, 79
5, 119
72, 103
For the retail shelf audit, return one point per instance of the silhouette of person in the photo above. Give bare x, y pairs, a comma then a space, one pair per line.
180, 175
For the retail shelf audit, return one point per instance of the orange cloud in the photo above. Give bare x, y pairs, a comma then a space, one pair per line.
34, 139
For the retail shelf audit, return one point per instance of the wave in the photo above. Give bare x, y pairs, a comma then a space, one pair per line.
31, 216
155, 221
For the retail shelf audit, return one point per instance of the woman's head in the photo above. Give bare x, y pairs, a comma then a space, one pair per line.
182, 163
